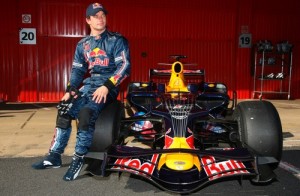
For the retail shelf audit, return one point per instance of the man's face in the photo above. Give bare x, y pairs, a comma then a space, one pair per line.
97, 22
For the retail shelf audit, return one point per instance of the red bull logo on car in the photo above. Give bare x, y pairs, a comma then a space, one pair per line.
215, 170
99, 58
136, 165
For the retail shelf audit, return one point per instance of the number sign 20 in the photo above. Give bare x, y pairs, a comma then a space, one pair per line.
27, 36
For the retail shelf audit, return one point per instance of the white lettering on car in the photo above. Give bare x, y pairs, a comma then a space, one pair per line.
135, 165
220, 169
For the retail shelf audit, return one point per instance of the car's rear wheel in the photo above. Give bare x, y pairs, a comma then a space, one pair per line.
260, 131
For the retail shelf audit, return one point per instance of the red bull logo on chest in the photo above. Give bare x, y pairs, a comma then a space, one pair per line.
98, 57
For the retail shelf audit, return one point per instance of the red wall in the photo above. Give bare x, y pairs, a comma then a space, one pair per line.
206, 31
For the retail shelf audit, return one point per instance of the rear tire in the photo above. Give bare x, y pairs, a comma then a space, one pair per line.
260, 131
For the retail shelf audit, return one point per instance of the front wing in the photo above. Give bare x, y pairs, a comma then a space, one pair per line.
215, 163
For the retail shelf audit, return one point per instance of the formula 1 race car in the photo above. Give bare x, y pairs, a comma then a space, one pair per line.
185, 133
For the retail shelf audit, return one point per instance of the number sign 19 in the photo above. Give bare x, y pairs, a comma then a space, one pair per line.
27, 36
245, 40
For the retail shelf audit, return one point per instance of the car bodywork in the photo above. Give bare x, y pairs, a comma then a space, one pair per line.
194, 133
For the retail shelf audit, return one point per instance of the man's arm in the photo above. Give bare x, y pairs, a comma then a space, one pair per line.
122, 61
79, 68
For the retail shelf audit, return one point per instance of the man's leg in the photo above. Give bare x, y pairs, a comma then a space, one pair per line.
87, 118
61, 137
59, 142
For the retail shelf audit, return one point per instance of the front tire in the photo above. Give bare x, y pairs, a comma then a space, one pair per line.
260, 131
107, 131
107, 127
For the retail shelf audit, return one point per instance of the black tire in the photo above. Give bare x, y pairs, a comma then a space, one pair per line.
260, 129
107, 127
107, 130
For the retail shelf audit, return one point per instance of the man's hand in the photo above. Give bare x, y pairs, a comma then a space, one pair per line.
65, 104
100, 94
66, 97
67, 101
73, 93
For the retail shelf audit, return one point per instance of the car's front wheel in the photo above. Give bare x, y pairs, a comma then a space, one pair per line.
107, 130
260, 131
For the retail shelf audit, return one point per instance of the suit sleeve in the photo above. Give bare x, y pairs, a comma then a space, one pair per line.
79, 68
122, 61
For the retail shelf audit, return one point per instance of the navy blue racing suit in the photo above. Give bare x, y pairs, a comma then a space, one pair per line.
62, 133
107, 59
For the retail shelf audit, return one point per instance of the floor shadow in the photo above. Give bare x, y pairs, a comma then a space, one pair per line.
24, 106
287, 135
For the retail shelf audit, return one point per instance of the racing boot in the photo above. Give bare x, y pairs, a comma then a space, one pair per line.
52, 160
75, 167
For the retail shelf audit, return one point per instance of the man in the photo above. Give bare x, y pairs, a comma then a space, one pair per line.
67, 111
106, 55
